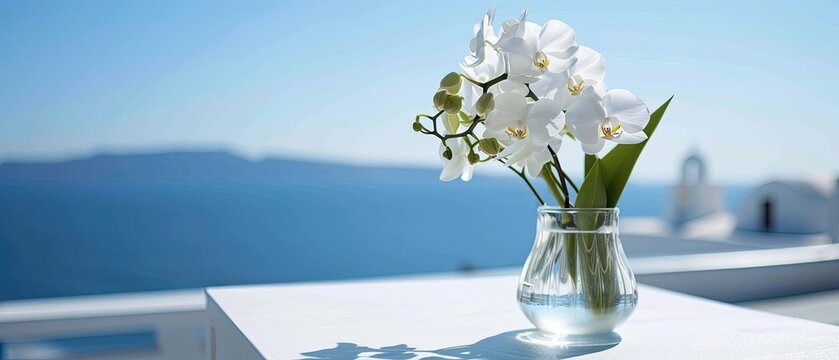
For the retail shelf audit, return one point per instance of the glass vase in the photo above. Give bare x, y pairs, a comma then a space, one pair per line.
577, 280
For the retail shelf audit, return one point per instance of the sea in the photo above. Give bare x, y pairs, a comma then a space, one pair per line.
66, 234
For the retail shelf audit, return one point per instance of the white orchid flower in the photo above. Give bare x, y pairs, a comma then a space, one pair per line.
617, 116
588, 70
484, 37
458, 165
533, 50
525, 129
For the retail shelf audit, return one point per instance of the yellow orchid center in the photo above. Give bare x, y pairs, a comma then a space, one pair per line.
519, 133
575, 85
541, 60
610, 130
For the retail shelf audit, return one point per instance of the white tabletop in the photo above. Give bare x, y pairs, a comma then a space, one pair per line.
459, 317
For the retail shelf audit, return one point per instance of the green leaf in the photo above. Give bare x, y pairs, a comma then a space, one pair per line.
593, 191
548, 176
617, 165
589, 162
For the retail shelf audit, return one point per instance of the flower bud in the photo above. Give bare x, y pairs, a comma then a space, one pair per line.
485, 104
453, 104
447, 154
473, 158
417, 126
490, 146
451, 83
440, 99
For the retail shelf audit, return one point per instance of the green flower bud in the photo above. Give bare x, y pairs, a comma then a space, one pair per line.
417, 126
490, 146
453, 104
440, 99
447, 154
485, 104
473, 158
451, 83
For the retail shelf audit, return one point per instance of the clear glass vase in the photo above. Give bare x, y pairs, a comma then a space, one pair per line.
577, 280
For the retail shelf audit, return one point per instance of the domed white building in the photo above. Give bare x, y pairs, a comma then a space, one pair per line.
791, 207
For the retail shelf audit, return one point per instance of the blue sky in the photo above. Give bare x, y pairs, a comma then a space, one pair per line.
755, 81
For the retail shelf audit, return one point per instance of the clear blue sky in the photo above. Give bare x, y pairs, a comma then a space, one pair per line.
755, 81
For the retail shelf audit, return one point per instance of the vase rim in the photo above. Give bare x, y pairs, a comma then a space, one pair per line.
554, 208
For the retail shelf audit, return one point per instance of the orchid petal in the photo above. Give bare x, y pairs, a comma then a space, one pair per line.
545, 121
557, 34
548, 83
483, 34
590, 65
534, 166
522, 152
595, 148
453, 169
630, 111
511, 149
508, 86
508, 107
630, 138
467, 172
585, 115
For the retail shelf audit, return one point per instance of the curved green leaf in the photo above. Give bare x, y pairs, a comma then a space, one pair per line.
588, 163
593, 191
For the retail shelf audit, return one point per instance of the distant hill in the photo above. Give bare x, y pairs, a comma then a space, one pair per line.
210, 165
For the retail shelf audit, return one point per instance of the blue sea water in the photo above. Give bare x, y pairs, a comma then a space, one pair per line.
62, 237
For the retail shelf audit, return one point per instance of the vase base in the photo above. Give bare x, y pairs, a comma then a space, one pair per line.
537, 337
534, 344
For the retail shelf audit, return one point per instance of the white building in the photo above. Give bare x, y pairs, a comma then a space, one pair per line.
776, 213
792, 207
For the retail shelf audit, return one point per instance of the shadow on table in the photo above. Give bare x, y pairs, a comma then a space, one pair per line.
508, 345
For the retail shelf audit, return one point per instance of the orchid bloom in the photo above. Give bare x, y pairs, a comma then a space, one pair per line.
525, 129
617, 116
484, 33
588, 70
533, 50
458, 165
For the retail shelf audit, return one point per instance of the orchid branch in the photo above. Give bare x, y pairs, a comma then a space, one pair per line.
568, 178
521, 174
562, 177
485, 86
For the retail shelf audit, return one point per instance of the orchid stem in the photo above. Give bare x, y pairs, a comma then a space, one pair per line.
485, 86
570, 181
533, 189
562, 177
523, 177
